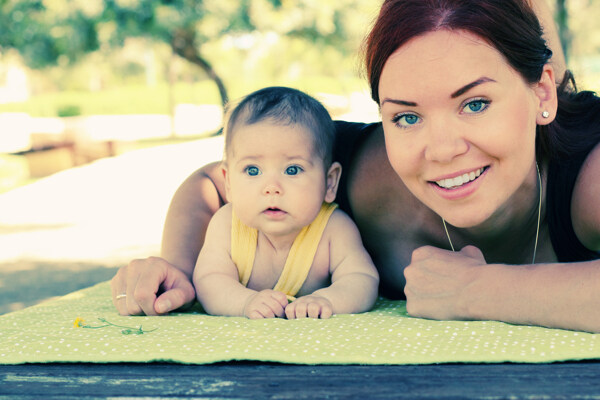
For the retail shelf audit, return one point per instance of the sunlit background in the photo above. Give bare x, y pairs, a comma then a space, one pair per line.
106, 107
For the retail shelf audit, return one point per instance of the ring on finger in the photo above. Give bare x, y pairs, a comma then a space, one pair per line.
120, 296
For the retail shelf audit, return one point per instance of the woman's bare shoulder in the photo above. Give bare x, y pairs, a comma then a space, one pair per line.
212, 172
207, 184
377, 194
585, 208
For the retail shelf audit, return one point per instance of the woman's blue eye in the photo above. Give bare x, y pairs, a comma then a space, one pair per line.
406, 120
252, 170
293, 170
476, 106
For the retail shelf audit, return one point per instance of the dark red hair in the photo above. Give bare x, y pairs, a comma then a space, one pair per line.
510, 26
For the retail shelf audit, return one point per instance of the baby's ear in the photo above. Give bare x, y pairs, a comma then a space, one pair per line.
333, 180
227, 185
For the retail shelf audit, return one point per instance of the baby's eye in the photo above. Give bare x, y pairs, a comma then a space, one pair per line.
293, 170
252, 170
476, 106
406, 120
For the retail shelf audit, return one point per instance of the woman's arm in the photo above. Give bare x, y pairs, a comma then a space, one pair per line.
554, 295
585, 207
158, 285
445, 285
193, 205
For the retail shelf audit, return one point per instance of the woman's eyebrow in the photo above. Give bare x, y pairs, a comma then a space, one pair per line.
399, 102
454, 95
470, 86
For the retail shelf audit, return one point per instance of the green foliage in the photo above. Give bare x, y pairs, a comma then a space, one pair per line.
68, 110
42, 35
142, 99
61, 32
134, 99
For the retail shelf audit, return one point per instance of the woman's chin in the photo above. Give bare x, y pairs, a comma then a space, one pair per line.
465, 221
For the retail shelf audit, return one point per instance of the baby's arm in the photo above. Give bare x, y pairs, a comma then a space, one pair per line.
216, 277
354, 279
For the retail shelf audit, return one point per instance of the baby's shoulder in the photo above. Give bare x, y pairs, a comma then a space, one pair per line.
340, 225
223, 213
339, 217
220, 223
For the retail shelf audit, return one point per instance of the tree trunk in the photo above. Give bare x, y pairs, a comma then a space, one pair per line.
171, 91
562, 20
183, 44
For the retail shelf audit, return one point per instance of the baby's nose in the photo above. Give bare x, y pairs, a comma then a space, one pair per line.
272, 188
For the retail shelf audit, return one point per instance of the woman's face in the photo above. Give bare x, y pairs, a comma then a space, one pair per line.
459, 125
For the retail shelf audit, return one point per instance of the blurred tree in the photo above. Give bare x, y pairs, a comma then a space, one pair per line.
27, 27
61, 31
562, 20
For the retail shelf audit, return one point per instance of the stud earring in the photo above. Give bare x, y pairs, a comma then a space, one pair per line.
545, 114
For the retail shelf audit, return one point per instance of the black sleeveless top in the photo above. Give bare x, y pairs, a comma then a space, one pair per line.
562, 175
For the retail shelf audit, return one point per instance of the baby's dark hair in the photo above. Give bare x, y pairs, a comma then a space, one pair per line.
284, 106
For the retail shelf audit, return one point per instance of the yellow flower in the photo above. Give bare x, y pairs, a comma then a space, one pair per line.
80, 323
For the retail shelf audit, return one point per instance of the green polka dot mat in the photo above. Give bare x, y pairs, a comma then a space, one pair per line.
84, 327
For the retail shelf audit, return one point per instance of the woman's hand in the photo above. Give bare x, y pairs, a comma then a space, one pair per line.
436, 280
310, 306
150, 286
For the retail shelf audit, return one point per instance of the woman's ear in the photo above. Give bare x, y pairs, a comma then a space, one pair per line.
545, 91
227, 184
333, 179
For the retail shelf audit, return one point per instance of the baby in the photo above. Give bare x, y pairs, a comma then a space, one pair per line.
280, 247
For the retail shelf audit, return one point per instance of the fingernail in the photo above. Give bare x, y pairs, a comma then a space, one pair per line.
163, 307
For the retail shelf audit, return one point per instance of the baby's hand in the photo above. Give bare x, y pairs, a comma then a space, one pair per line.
310, 306
266, 304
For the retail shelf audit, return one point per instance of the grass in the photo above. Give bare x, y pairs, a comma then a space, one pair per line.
142, 99
125, 100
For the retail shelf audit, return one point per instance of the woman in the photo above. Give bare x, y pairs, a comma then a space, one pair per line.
476, 152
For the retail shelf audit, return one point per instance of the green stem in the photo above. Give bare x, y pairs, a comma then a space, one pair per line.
125, 327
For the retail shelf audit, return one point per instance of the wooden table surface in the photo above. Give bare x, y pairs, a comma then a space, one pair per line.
248, 380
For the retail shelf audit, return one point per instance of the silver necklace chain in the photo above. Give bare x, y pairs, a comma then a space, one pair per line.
537, 232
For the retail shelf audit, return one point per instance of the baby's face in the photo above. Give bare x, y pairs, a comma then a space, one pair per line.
274, 179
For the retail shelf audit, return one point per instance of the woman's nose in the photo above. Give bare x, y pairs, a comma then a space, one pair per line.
444, 143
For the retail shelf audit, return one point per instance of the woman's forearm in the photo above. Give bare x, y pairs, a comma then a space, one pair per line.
191, 209
554, 295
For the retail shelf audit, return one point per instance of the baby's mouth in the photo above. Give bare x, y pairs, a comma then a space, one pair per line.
274, 211
453, 183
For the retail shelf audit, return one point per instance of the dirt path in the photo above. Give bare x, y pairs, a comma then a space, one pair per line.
23, 284
73, 229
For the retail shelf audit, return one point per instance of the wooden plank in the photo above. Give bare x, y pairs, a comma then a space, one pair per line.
269, 380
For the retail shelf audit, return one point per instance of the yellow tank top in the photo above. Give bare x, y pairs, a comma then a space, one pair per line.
299, 260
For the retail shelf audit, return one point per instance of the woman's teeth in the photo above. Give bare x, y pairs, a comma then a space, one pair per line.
459, 180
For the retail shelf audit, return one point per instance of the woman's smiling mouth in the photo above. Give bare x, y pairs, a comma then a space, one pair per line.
460, 180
